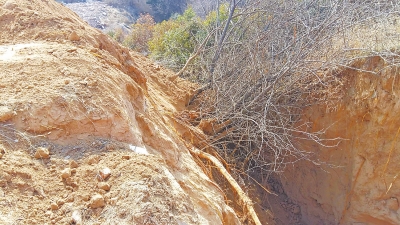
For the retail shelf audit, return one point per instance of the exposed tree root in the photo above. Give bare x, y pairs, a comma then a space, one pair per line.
244, 199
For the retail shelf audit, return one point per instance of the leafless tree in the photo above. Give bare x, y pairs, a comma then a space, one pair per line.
269, 61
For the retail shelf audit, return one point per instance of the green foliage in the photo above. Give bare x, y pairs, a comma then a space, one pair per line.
142, 32
211, 18
174, 40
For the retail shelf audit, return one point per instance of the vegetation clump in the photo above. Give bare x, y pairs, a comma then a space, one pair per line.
261, 63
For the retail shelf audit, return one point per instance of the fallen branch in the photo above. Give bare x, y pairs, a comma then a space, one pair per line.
246, 201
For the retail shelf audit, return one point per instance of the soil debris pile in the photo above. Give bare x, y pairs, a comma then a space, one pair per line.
87, 133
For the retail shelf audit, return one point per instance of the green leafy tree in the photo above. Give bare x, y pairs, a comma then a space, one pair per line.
142, 32
174, 40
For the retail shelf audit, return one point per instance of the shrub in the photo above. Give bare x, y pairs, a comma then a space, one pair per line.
174, 40
142, 32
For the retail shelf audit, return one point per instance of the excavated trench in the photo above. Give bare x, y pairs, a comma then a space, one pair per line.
357, 183
89, 100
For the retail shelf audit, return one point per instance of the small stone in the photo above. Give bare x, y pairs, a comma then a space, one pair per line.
70, 198
85, 197
74, 36
66, 173
73, 164
127, 157
60, 202
54, 206
104, 174
76, 217
42, 153
5, 113
93, 159
2, 151
102, 192
104, 186
66, 82
97, 201
72, 49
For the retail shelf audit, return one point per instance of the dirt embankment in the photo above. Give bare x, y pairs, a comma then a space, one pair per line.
87, 132
361, 185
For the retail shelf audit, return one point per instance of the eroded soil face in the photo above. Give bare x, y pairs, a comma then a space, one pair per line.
357, 181
87, 132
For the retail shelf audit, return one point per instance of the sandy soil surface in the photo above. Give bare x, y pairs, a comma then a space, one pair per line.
87, 129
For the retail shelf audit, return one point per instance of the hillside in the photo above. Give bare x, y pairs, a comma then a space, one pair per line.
92, 133
87, 129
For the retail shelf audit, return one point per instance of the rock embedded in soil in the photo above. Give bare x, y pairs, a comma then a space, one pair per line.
2, 151
76, 217
74, 36
104, 174
42, 153
5, 113
104, 186
97, 201
70, 198
127, 157
54, 206
85, 197
66, 173
73, 164
60, 202
93, 160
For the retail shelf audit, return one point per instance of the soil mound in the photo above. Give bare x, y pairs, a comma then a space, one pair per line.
87, 134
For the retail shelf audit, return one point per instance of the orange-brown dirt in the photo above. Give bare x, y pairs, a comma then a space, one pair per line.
358, 181
68, 89
91, 133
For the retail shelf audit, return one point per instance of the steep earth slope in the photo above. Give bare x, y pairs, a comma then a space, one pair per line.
87, 132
